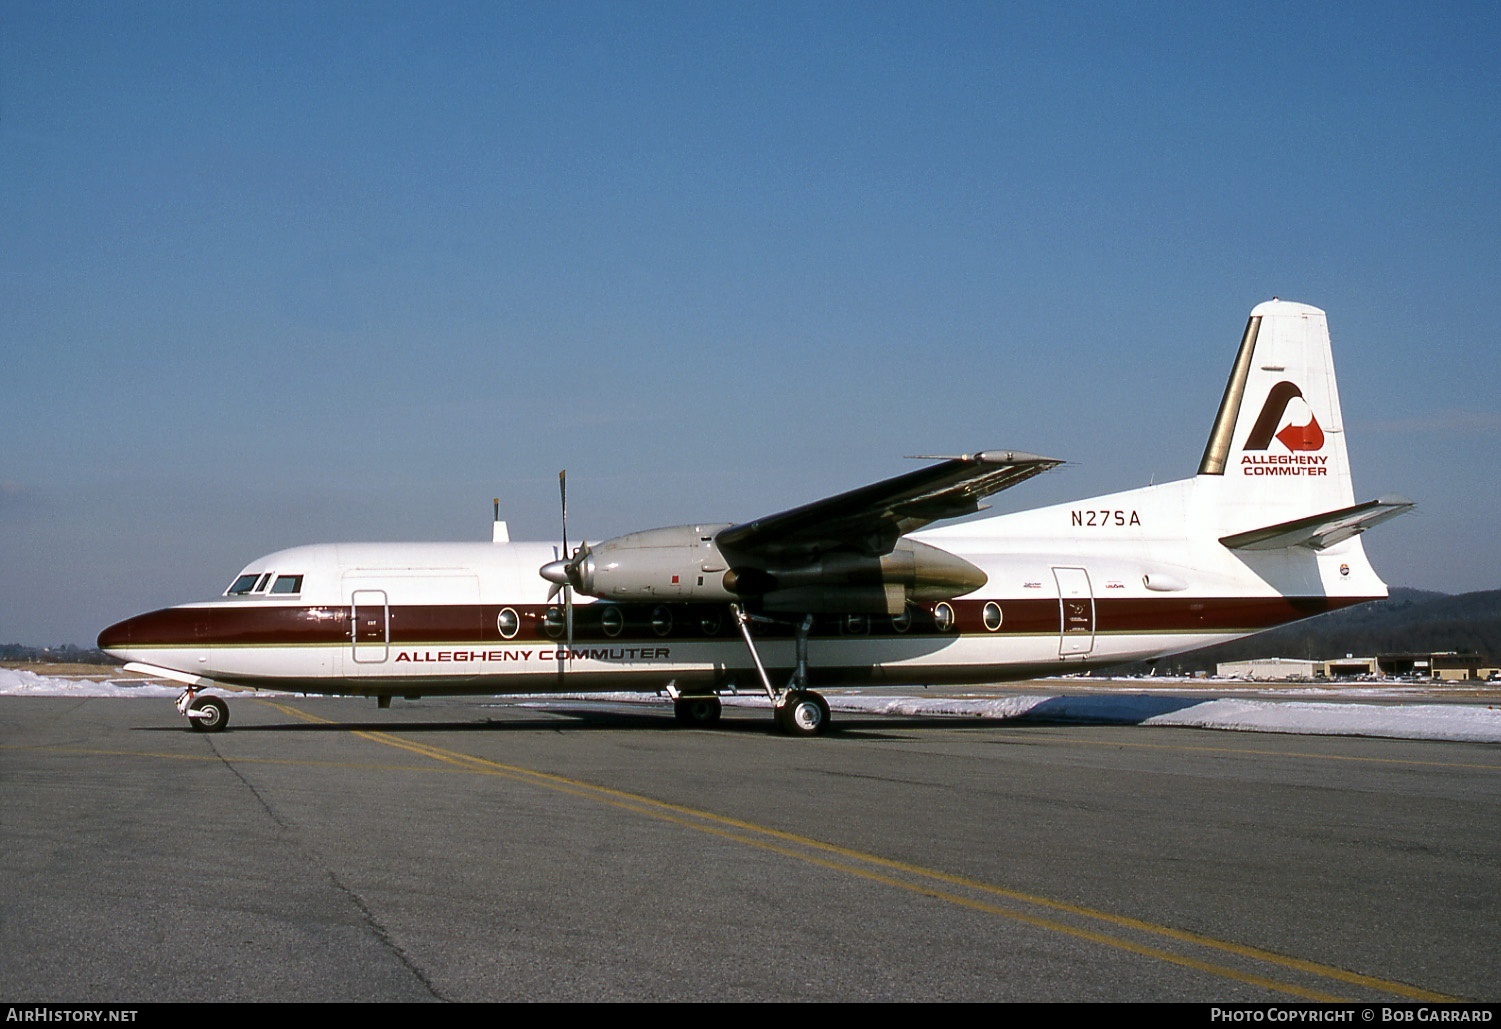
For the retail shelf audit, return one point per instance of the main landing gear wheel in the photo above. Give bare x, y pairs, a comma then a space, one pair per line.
697, 710
803, 713
214, 714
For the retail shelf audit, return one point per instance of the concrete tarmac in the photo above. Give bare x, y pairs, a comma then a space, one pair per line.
456, 850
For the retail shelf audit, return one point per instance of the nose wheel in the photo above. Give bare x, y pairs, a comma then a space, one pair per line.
204, 714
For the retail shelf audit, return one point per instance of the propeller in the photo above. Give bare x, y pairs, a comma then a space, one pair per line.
563, 572
558, 571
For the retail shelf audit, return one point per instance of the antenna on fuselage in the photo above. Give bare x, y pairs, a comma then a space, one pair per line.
499, 533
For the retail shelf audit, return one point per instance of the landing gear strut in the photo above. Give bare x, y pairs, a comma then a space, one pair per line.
204, 714
798, 710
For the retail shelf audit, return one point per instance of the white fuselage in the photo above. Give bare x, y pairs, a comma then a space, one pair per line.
1266, 533
1130, 576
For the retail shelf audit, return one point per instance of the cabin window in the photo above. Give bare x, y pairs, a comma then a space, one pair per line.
661, 621
287, 584
710, 622
856, 625
554, 622
943, 617
612, 620
507, 623
992, 616
244, 584
903, 621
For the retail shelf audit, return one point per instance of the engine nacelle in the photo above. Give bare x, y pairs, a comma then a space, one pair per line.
845, 582
680, 563
685, 564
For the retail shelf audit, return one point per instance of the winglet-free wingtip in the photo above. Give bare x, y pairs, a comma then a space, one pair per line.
990, 457
1014, 457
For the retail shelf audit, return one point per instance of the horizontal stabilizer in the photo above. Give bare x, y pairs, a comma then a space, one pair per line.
1322, 530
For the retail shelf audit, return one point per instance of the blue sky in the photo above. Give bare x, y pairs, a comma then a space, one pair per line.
283, 273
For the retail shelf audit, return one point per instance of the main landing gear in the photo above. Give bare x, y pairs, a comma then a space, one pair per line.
204, 714
798, 710
802, 713
697, 710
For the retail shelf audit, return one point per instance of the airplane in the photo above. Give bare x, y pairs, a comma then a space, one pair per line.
851, 590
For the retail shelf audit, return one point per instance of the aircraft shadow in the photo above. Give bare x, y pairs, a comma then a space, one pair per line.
846, 725
1062, 710
1132, 709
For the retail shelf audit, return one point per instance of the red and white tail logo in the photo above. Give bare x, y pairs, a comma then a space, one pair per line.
1287, 418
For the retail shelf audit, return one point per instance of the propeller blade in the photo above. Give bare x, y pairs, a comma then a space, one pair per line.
564, 572
563, 495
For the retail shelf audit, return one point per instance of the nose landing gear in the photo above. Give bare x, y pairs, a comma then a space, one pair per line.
204, 714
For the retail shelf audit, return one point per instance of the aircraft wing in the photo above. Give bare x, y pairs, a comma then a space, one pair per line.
872, 518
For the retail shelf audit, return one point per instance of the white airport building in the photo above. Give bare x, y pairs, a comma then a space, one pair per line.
1445, 666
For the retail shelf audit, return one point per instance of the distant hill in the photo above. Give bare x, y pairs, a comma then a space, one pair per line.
1408, 621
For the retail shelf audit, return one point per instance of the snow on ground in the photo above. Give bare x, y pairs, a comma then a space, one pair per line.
1195, 706
1471, 722
16, 682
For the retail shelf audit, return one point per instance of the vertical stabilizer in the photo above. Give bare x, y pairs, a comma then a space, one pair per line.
1278, 443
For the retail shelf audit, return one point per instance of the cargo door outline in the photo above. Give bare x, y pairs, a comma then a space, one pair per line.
1076, 616
369, 626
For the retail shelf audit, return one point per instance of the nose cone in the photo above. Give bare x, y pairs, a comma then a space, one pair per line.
181, 638
169, 627
116, 637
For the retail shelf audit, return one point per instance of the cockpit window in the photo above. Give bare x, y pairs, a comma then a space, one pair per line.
287, 584
260, 583
244, 584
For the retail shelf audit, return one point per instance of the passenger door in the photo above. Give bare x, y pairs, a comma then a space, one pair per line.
1075, 612
369, 626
